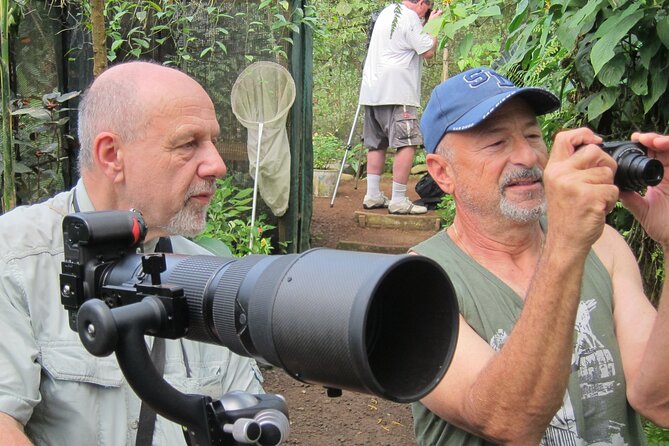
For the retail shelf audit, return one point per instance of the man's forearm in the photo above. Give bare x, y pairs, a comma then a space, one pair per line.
11, 432
524, 385
649, 393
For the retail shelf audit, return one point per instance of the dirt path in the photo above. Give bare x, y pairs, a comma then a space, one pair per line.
353, 418
330, 225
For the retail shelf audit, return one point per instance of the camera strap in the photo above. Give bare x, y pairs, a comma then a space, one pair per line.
147, 416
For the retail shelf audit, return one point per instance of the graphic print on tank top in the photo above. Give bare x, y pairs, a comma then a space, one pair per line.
595, 367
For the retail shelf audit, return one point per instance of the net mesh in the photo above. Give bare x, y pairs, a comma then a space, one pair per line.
261, 98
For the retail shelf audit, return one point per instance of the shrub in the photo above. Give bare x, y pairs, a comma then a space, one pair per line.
228, 221
327, 150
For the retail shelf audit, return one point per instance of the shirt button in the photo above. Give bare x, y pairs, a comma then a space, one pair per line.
134, 424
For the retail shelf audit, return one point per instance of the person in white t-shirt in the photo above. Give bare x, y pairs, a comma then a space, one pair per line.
390, 92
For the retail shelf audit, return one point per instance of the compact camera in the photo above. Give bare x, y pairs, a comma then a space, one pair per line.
635, 170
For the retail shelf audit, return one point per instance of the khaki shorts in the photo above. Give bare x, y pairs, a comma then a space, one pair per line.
391, 126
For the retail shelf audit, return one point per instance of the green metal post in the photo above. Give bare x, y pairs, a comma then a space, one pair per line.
296, 224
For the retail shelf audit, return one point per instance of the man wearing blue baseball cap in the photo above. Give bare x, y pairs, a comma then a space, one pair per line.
558, 344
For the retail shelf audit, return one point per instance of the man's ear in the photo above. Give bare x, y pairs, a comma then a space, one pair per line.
441, 171
108, 155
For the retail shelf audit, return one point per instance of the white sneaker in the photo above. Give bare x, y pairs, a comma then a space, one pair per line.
375, 202
406, 207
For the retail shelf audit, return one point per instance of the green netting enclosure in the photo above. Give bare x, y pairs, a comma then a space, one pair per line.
51, 51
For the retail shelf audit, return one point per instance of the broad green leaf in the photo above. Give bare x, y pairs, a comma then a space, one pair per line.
451, 28
141, 42
68, 96
491, 11
546, 33
663, 31
520, 42
520, 17
19, 167
611, 74
214, 246
638, 82
154, 6
465, 45
34, 112
658, 85
571, 25
115, 44
222, 46
602, 101
647, 51
618, 27
434, 26
614, 22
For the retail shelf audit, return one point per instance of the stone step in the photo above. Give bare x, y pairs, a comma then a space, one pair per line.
426, 222
350, 245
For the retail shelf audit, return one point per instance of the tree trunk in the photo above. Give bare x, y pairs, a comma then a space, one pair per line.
99, 37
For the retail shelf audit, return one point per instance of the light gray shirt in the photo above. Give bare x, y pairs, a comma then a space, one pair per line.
48, 381
392, 71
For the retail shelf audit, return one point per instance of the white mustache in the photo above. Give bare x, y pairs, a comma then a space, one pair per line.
533, 174
206, 187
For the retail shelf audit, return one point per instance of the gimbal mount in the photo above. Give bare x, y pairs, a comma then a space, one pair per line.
117, 323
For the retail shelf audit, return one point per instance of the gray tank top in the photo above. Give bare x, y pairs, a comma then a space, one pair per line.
595, 408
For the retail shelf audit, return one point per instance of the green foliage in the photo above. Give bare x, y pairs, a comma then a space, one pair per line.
471, 30
656, 436
601, 53
8, 19
446, 210
40, 137
328, 149
357, 159
419, 157
607, 62
229, 217
140, 28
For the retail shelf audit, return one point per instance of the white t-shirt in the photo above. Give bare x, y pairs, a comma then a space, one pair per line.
392, 69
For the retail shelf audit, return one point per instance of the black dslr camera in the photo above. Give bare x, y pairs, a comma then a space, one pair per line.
635, 170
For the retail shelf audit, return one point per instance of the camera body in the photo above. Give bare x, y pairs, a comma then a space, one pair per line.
635, 170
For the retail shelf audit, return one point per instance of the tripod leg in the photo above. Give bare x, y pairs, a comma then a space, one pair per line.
357, 173
343, 161
341, 170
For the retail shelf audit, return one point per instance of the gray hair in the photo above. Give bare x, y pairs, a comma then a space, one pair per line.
444, 149
112, 106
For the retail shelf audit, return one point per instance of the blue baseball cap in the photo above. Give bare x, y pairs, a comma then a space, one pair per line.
467, 99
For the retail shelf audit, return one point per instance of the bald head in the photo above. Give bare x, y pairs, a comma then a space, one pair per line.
121, 101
